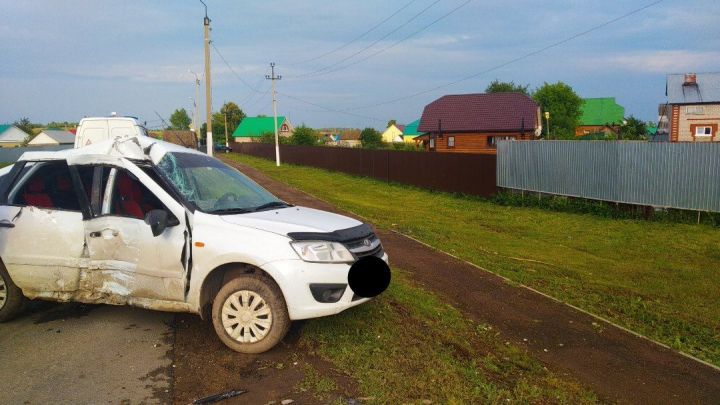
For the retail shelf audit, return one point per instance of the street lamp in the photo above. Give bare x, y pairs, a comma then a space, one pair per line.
547, 121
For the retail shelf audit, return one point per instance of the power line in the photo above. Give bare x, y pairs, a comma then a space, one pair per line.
315, 72
345, 45
502, 65
233, 70
397, 42
255, 101
330, 109
262, 95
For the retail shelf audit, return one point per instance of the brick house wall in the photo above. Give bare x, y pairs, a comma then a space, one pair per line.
687, 118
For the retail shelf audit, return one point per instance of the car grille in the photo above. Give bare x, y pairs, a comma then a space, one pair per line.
367, 246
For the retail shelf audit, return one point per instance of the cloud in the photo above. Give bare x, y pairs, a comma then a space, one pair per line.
654, 62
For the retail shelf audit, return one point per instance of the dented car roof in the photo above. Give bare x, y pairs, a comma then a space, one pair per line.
136, 148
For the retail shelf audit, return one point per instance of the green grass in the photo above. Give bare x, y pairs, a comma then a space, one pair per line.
314, 382
408, 346
657, 278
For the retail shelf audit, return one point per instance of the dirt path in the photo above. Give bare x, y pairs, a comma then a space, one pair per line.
616, 364
203, 366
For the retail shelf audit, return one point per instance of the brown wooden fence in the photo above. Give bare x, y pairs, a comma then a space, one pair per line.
452, 172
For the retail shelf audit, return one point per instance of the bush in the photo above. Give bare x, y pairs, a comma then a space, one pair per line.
604, 209
371, 138
304, 136
412, 147
269, 137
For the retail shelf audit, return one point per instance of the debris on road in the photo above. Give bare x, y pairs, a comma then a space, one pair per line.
212, 399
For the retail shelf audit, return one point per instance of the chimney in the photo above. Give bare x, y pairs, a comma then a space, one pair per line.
690, 79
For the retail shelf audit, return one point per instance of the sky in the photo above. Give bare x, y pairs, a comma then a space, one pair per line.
343, 63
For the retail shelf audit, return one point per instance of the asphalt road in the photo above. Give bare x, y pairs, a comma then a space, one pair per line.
83, 354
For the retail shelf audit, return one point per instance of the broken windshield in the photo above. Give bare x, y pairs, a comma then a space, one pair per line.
214, 187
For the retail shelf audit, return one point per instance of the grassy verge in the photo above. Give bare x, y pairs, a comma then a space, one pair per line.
659, 279
408, 346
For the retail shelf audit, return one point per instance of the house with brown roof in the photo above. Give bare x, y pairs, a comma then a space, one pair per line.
349, 138
474, 123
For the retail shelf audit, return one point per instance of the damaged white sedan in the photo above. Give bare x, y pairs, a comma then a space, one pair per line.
146, 223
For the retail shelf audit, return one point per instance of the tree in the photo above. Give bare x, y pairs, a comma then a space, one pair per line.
391, 122
304, 136
63, 124
507, 87
370, 138
24, 124
633, 129
563, 104
269, 137
180, 120
234, 116
218, 121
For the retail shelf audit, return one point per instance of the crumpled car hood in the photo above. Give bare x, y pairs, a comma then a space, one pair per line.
292, 219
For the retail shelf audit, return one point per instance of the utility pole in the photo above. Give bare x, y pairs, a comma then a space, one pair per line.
208, 90
277, 139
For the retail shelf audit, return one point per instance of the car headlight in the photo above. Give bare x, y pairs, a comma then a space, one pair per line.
322, 252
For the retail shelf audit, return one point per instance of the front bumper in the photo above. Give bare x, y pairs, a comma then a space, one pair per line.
294, 278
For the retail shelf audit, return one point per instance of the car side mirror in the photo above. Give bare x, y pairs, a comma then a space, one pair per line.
158, 221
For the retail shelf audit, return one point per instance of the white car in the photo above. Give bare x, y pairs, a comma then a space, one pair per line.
142, 222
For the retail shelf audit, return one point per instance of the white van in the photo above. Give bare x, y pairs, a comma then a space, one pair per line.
97, 129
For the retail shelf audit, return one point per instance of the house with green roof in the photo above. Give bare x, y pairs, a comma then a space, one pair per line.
251, 129
600, 116
411, 131
11, 136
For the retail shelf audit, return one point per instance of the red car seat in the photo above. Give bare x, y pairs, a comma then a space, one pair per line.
130, 197
35, 194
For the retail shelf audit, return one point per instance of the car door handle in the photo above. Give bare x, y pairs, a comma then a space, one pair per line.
107, 233
6, 224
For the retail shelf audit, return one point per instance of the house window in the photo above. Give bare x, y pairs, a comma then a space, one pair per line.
432, 143
284, 128
493, 140
695, 109
451, 142
703, 131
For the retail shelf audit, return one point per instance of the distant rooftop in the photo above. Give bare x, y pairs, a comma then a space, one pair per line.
255, 127
601, 111
59, 135
411, 129
480, 112
693, 88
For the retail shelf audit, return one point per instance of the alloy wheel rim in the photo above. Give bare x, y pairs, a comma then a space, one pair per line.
3, 292
246, 316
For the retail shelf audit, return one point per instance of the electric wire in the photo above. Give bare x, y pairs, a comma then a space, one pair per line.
398, 28
397, 42
515, 60
345, 45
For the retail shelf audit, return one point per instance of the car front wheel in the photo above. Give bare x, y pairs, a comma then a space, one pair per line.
11, 297
249, 314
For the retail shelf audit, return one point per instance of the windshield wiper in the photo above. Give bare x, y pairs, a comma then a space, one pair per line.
272, 204
230, 211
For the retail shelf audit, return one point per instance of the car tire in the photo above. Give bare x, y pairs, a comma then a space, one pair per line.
12, 299
250, 315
